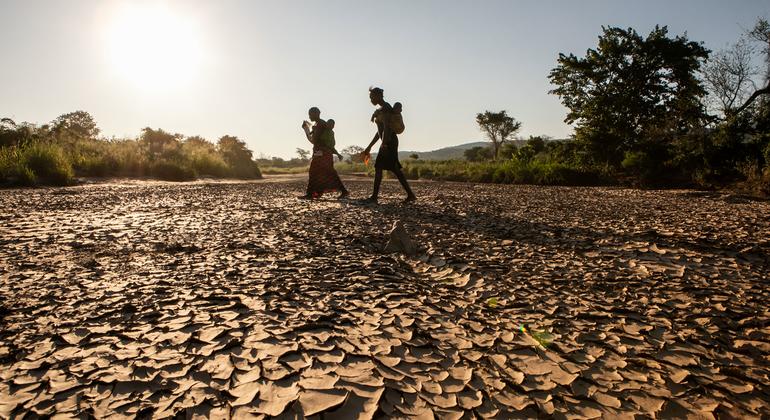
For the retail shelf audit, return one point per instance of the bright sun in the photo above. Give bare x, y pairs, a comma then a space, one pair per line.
153, 47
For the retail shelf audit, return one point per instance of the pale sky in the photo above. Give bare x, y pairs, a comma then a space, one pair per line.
253, 68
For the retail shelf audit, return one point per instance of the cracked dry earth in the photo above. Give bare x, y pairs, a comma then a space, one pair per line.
238, 300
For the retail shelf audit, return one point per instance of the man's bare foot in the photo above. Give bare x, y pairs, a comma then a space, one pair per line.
370, 200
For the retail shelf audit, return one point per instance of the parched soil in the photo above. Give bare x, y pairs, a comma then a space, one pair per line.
239, 300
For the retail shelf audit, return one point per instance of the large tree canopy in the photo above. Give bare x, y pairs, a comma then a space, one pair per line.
630, 86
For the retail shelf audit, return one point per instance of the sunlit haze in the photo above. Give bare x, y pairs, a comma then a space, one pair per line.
251, 69
153, 47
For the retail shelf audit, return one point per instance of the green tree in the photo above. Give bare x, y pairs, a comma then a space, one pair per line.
79, 123
499, 128
303, 154
478, 154
628, 87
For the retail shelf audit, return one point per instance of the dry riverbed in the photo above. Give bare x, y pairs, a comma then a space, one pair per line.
147, 299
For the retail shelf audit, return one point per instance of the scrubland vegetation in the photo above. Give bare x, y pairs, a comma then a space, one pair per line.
69, 147
655, 110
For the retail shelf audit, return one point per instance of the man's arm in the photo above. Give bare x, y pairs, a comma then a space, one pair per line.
374, 140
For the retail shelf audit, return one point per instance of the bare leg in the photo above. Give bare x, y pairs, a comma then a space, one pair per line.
402, 179
377, 182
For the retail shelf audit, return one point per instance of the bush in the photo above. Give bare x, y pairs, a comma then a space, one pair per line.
504, 172
234, 151
209, 163
171, 171
11, 167
35, 163
48, 163
31, 154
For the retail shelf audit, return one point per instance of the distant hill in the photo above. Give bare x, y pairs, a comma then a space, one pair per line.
445, 153
452, 152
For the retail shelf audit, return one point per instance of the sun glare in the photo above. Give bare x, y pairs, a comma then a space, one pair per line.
153, 47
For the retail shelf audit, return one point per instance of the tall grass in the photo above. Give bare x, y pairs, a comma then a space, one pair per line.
510, 171
59, 161
35, 163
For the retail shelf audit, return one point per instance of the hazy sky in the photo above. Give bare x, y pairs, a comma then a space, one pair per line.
252, 68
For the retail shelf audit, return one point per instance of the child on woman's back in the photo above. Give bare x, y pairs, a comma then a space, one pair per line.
396, 120
327, 138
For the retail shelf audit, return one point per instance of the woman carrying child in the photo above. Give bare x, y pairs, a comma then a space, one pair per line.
322, 177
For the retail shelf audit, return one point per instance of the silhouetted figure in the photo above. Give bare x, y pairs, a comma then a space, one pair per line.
322, 177
387, 158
